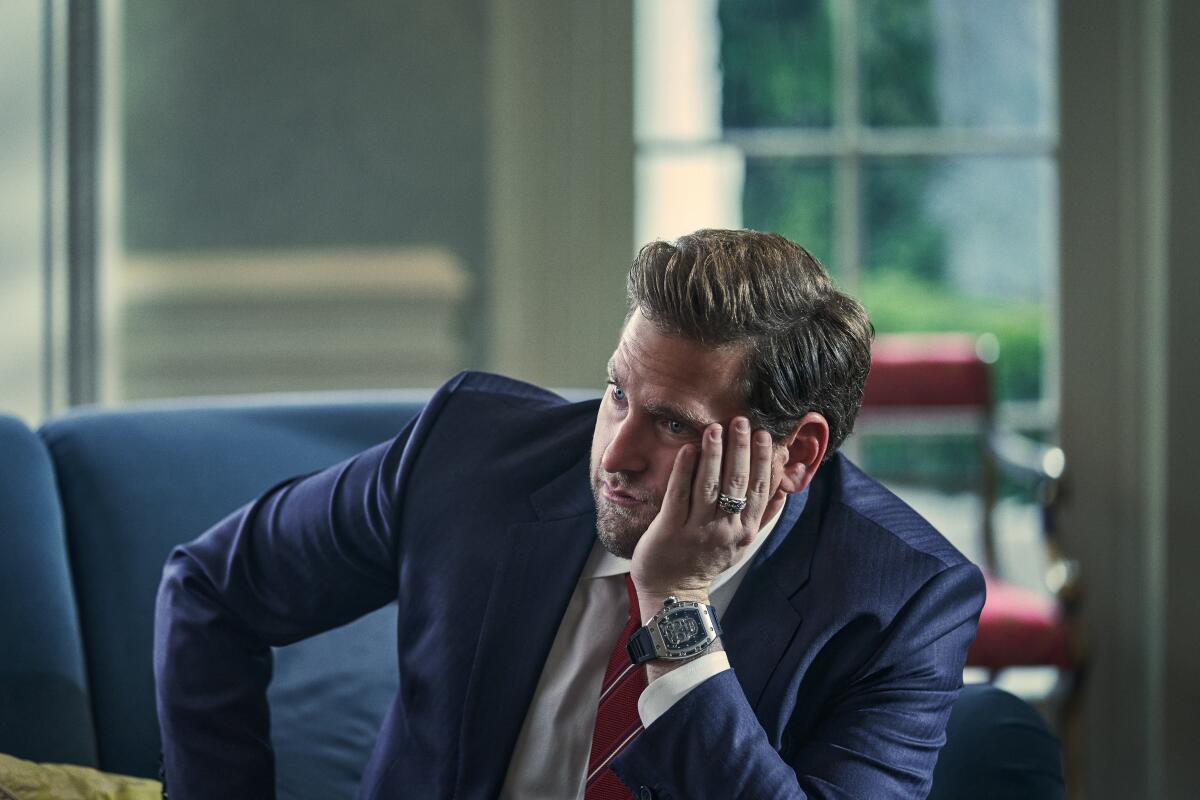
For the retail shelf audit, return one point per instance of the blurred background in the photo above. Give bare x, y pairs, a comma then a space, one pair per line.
293, 195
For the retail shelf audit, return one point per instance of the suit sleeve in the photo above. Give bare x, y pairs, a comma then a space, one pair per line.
311, 554
878, 737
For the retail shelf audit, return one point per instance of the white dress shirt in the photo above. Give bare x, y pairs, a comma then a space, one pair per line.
551, 754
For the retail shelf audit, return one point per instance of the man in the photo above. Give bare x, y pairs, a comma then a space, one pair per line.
686, 593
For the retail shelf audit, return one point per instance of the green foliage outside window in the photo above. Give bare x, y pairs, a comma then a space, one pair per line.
897, 63
777, 63
777, 70
900, 236
794, 198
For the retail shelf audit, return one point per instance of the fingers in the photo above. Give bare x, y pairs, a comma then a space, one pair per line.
738, 464
761, 450
679, 487
708, 473
736, 476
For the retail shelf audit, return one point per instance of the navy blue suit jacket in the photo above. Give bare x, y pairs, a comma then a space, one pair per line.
847, 637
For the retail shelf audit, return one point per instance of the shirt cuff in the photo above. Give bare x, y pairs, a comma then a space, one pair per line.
657, 698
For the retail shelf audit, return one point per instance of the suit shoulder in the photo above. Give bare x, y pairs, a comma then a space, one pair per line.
479, 423
487, 395
866, 503
501, 388
496, 441
874, 556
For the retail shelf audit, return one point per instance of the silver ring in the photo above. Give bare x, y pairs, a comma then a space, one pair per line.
730, 505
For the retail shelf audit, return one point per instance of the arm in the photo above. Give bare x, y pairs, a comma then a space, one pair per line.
879, 738
878, 734
309, 555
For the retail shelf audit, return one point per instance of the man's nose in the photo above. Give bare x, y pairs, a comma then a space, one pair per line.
626, 451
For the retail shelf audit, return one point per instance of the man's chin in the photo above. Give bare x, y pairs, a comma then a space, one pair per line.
618, 533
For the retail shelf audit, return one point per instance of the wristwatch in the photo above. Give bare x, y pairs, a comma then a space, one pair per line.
682, 629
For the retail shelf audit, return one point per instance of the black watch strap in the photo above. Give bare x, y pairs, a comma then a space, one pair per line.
641, 646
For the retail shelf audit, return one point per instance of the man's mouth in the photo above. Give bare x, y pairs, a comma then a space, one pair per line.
619, 496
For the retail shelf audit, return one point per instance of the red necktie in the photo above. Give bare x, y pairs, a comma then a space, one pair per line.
617, 720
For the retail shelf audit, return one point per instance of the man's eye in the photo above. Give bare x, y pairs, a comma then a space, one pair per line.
676, 427
618, 393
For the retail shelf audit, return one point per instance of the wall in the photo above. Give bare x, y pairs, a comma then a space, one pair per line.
1181, 556
1129, 151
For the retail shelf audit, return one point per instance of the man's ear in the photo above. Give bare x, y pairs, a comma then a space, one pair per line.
803, 450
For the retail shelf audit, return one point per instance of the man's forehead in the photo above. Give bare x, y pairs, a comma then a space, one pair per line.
645, 344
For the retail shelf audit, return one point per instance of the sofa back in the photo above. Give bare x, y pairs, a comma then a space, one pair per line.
45, 708
134, 483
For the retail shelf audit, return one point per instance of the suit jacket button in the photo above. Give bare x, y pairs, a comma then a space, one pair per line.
644, 793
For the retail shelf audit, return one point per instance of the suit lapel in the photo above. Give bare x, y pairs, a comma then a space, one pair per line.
761, 621
533, 584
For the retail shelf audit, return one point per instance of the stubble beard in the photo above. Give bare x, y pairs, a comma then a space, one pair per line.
619, 527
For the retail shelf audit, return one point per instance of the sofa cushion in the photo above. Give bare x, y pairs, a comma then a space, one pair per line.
45, 711
352, 670
137, 482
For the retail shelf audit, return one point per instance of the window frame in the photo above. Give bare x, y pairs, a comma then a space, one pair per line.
849, 144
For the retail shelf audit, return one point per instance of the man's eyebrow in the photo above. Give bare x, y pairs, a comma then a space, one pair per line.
668, 411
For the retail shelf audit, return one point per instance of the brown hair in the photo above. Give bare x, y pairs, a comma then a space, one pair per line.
807, 345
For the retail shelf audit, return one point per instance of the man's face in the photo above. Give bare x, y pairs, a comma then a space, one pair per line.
663, 391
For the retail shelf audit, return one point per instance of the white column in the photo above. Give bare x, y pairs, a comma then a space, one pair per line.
1130, 149
686, 178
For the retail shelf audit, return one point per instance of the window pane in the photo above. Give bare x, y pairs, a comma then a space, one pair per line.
777, 63
964, 244
958, 63
794, 198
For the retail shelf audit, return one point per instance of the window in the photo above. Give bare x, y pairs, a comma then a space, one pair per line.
909, 144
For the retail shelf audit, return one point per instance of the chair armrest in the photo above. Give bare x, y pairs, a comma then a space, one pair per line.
1025, 458
1041, 467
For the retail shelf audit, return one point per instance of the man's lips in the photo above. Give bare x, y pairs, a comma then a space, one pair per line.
619, 496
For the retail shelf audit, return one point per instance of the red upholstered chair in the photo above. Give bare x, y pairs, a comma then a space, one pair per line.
926, 381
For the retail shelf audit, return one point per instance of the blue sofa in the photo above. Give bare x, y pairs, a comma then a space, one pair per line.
92, 502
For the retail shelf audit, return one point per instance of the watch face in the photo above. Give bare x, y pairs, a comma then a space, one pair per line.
682, 629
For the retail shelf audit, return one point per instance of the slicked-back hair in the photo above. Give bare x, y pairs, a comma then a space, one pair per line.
807, 346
